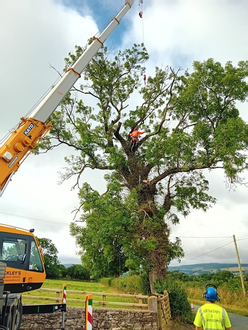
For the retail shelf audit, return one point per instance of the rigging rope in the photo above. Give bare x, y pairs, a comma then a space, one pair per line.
141, 14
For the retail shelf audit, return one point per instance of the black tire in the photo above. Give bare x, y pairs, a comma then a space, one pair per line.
17, 317
9, 322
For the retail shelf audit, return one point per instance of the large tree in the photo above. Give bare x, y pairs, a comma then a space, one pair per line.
192, 123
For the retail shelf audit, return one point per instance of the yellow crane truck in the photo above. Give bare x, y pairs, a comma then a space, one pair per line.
21, 261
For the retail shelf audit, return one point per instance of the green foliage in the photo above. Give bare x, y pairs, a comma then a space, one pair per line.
180, 307
177, 276
62, 271
232, 284
246, 277
224, 279
130, 284
78, 272
192, 123
105, 234
145, 287
50, 254
106, 281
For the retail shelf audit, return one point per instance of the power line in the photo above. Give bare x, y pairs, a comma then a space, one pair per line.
201, 236
210, 251
219, 247
242, 239
34, 219
203, 254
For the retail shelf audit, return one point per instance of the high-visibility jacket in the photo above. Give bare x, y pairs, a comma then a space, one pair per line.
212, 317
135, 134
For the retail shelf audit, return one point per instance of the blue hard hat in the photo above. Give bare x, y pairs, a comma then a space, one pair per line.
211, 294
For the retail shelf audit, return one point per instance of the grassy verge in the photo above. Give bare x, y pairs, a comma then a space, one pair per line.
230, 309
233, 302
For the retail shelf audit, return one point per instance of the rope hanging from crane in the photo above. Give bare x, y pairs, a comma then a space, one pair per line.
141, 13
141, 8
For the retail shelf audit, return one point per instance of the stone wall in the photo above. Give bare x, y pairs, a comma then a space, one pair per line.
103, 319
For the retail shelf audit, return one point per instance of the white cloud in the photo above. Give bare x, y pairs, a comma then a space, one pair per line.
35, 34
204, 234
32, 35
180, 32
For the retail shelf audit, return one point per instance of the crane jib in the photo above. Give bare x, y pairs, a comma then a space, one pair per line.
21, 142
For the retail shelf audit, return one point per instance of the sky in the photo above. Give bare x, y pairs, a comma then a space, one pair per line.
37, 35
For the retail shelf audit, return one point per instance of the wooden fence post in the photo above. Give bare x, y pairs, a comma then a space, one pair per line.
104, 298
58, 296
140, 301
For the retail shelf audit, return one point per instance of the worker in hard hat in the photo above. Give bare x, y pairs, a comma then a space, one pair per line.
212, 316
135, 136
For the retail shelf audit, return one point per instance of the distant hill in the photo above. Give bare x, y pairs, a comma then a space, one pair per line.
198, 269
208, 268
69, 265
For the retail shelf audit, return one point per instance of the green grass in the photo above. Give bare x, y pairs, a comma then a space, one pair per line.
232, 302
76, 286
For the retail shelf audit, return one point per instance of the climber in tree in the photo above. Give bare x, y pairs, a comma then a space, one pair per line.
135, 136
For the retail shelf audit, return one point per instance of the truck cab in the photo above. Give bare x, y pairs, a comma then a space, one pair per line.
21, 252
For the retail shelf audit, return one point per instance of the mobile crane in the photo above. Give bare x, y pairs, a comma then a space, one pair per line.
21, 261
32, 129
22, 267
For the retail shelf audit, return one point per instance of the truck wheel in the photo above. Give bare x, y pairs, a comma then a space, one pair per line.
9, 322
17, 317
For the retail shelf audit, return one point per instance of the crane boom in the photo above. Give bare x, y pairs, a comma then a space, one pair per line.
32, 129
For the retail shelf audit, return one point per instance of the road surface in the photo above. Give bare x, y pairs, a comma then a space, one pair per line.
238, 322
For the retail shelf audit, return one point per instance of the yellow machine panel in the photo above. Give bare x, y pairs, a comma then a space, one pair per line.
20, 250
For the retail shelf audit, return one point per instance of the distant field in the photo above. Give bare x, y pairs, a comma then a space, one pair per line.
208, 268
235, 269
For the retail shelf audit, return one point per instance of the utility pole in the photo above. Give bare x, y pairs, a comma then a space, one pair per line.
240, 269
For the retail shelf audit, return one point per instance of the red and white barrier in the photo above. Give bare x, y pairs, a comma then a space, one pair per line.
88, 311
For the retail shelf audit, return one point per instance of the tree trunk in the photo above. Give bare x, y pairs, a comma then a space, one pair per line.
159, 256
157, 230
